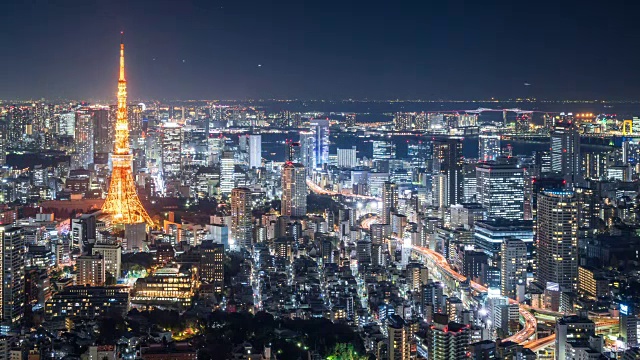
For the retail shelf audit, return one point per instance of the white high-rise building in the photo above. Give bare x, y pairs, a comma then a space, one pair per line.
513, 266
112, 255
294, 190
322, 142
565, 152
500, 187
255, 151
227, 169
489, 146
67, 124
171, 151
347, 158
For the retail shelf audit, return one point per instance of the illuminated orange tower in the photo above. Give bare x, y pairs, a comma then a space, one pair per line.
122, 203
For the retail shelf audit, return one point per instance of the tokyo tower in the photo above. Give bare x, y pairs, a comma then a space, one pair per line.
122, 203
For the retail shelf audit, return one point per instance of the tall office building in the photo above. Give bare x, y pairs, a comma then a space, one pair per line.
171, 152
448, 160
489, 146
241, 222
389, 201
112, 256
255, 151
294, 190
565, 152
557, 232
3, 141
321, 131
500, 188
13, 277
293, 151
211, 264
90, 270
83, 140
347, 158
513, 266
227, 169
384, 150
307, 150
103, 130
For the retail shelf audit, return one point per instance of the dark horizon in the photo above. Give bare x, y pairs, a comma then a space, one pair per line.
330, 50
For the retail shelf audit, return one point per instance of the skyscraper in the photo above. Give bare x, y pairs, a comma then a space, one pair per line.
489, 146
241, 222
91, 270
294, 190
171, 155
384, 150
83, 140
565, 152
122, 203
255, 151
513, 266
103, 130
227, 169
13, 277
448, 160
307, 150
321, 131
389, 201
557, 232
347, 157
500, 187
211, 264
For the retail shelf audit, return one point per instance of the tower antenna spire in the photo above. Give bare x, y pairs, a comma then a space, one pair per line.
122, 202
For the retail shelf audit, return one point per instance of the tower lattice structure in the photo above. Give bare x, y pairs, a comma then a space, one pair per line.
122, 203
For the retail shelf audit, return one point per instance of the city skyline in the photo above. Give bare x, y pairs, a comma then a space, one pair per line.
328, 50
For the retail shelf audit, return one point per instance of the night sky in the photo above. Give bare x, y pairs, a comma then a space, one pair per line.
329, 49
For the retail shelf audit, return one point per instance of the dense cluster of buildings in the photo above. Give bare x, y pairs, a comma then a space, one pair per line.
422, 247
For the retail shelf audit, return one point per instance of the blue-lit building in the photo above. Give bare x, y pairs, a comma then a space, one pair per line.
489, 234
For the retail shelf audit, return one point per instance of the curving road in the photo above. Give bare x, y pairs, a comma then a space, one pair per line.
540, 344
319, 190
530, 322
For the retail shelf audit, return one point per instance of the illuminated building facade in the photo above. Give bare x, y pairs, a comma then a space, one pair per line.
389, 201
13, 277
90, 270
255, 151
557, 232
167, 286
489, 146
565, 152
500, 188
241, 219
447, 161
321, 133
122, 203
87, 301
211, 264
83, 140
513, 266
294, 190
